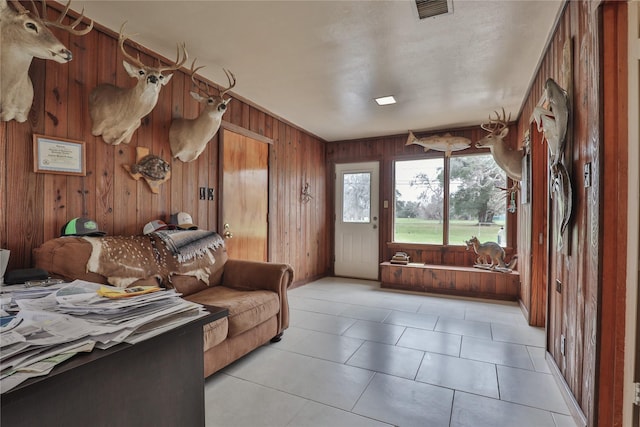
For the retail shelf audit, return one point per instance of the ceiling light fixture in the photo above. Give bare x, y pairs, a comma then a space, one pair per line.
386, 100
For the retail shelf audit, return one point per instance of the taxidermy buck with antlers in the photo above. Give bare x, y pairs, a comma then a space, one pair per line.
189, 137
117, 112
24, 36
508, 159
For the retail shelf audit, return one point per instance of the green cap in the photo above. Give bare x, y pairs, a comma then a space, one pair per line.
81, 227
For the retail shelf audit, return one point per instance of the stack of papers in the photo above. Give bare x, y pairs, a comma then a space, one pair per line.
57, 324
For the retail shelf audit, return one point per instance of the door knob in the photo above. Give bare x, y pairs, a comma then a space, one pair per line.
227, 233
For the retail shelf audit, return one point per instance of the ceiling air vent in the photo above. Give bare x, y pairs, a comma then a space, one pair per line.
429, 8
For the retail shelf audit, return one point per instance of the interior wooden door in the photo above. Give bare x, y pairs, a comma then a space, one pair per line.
244, 196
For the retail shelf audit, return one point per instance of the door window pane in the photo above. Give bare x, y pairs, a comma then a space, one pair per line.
419, 195
356, 197
476, 204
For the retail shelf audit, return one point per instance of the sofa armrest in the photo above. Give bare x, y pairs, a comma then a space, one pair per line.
254, 275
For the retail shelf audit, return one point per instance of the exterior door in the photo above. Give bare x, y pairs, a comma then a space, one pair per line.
356, 220
244, 196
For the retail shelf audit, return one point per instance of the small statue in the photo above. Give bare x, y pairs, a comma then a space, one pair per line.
490, 251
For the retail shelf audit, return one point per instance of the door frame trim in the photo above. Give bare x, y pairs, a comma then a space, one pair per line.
244, 132
632, 342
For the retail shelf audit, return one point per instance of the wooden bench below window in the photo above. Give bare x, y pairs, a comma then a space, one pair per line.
452, 280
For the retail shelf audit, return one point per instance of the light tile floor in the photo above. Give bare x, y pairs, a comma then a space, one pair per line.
358, 355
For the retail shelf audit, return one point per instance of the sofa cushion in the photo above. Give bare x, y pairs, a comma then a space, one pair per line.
215, 332
246, 308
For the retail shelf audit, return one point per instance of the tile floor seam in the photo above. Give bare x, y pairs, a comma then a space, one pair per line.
400, 337
533, 363
516, 403
362, 393
415, 377
299, 411
436, 324
495, 367
453, 400
354, 353
502, 364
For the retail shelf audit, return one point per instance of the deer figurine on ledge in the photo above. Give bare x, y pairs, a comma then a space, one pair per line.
22, 38
189, 137
508, 159
117, 112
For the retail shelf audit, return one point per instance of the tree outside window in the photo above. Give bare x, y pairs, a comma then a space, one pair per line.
356, 197
476, 206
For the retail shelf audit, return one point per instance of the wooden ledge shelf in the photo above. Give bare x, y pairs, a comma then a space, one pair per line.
452, 280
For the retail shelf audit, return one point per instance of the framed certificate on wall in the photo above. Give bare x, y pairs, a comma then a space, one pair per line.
58, 155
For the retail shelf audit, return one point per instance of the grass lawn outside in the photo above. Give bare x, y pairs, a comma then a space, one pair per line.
416, 230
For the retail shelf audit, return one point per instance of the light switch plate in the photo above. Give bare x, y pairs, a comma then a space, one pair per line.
587, 174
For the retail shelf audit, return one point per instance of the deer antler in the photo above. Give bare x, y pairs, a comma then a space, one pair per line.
205, 91
496, 125
58, 22
20, 8
232, 82
178, 62
196, 83
70, 28
122, 37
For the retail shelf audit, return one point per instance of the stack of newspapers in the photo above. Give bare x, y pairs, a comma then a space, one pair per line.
50, 325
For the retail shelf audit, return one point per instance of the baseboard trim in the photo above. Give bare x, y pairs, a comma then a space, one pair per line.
524, 310
574, 408
298, 283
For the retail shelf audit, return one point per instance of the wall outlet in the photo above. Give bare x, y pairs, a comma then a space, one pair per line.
203, 193
563, 343
558, 286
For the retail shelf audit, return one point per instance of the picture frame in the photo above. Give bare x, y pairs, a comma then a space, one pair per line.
59, 155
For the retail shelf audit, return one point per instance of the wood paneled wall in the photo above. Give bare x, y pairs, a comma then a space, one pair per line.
34, 207
387, 150
587, 310
532, 239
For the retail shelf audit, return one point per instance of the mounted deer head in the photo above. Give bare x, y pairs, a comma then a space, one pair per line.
23, 37
189, 137
117, 112
508, 159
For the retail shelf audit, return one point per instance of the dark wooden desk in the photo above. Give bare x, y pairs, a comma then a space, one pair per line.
157, 382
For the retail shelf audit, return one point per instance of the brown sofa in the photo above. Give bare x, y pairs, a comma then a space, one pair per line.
255, 293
